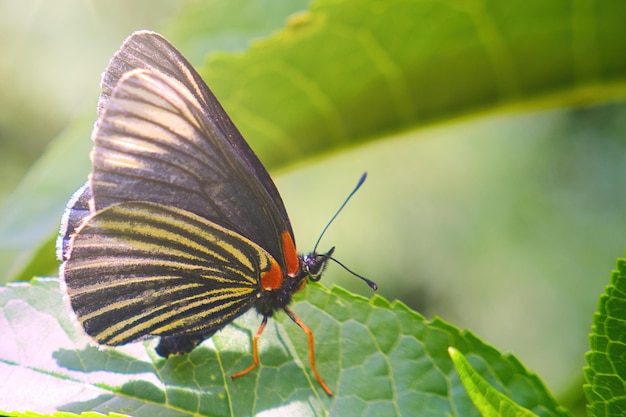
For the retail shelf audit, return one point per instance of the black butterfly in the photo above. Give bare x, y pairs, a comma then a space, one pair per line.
179, 229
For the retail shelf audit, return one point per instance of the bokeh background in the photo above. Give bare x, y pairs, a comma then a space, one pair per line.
504, 217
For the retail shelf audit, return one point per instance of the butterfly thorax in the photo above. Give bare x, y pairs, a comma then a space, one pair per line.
311, 267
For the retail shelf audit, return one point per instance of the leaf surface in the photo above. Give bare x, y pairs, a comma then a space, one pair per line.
378, 358
606, 371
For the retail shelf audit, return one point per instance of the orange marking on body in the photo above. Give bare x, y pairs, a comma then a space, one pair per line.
272, 279
290, 254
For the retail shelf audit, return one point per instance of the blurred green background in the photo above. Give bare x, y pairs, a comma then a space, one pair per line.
501, 211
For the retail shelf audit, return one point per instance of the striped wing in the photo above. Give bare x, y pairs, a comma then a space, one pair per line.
151, 51
139, 269
163, 137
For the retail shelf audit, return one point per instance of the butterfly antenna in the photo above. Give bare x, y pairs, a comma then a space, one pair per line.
358, 185
369, 282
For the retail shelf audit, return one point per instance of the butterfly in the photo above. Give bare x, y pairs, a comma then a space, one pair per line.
179, 229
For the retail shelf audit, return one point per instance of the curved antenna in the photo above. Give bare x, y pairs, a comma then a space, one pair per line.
358, 185
369, 282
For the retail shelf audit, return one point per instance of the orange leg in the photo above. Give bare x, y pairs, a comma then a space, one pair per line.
255, 352
309, 333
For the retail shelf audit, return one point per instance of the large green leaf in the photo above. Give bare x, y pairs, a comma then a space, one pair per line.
378, 358
351, 71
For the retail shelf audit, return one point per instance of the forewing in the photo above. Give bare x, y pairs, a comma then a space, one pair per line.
139, 269
189, 153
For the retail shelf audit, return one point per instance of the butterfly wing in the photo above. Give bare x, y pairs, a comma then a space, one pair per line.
163, 137
142, 269
179, 222
77, 210
149, 50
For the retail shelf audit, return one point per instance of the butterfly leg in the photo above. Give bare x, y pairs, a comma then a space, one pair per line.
309, 333
255, 352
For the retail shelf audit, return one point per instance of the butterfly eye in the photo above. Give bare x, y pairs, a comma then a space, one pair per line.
315, 276
315, 263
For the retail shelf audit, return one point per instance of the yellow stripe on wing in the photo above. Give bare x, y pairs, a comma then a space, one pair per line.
159, 321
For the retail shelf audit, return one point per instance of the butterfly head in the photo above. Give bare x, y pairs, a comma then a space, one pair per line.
314, 264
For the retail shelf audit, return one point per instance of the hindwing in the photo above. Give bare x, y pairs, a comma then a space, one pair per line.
141, 269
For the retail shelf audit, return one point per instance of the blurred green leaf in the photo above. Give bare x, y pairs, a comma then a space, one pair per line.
30, 219
352, 71
216, 25
378, 358
606, 371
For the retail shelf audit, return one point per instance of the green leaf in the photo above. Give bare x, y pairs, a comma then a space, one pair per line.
214, 25
353, 71
489, 401
606, 373
378, 358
